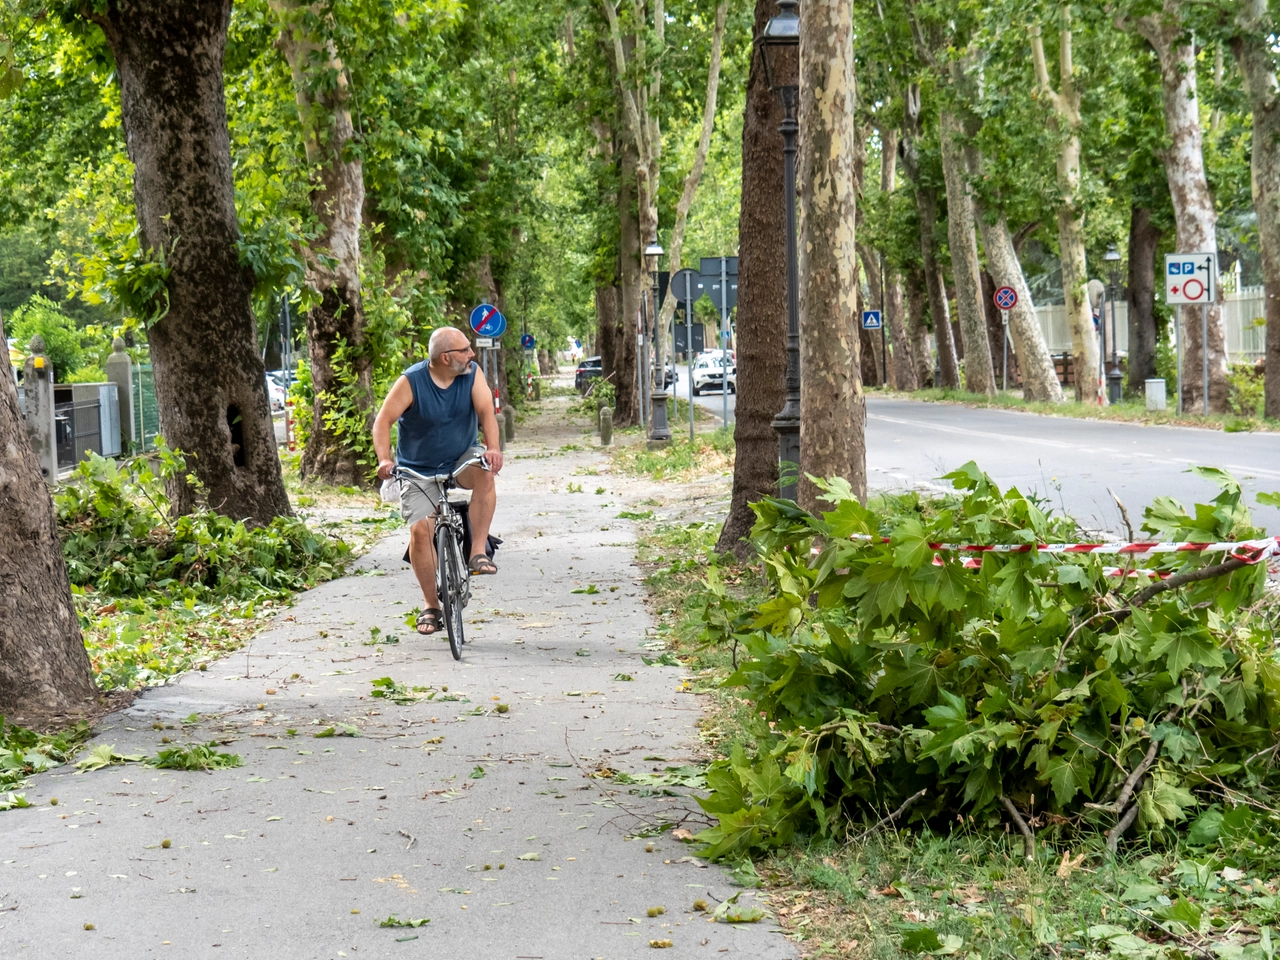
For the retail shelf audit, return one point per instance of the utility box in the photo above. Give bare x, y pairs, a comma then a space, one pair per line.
1157, 398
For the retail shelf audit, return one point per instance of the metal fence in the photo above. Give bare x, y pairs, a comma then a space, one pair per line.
146, 411
78, 427
1242, 312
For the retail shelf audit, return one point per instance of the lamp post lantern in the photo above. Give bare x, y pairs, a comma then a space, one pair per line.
780, 52
659, 430
1115, 378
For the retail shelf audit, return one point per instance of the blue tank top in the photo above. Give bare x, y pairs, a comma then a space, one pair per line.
440, 425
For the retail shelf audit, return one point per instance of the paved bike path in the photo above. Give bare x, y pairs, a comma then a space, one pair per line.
275, 858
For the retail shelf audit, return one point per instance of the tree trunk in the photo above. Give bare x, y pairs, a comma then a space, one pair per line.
869, 340
1039, 381
1252, 51
832, 408
675, 246
341, 367
917, 330
927, 213
1197, 220
626, 357
1144, 236
965, 269
762, 304
1066, 121
44, 669
209, 378
902, 373
608, 316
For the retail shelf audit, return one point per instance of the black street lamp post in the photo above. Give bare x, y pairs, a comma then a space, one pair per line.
1115, 378
660, 431
780, 52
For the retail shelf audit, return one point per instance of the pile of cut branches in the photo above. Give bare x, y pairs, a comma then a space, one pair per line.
896, 685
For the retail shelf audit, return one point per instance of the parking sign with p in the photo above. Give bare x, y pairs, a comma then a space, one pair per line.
1190, 277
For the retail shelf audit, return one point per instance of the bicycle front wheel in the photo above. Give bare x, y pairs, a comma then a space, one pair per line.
450, 577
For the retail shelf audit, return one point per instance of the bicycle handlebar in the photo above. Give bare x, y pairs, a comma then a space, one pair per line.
399, 472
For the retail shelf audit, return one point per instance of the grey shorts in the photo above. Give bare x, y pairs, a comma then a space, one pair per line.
419, 499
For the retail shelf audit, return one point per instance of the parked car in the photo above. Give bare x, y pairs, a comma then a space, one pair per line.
590, 368
276, 394
712, 373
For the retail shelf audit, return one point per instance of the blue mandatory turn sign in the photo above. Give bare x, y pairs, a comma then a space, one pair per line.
486, 321
527, 341
871, 320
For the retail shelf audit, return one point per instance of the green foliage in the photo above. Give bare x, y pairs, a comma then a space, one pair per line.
1246, 390
119, 539
24, 752
881, 667
62, 341
195, 756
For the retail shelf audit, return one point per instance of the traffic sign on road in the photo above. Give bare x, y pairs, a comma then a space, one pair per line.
686, 285
527, 341
486, 321
1006, 298
871, 320
1190, 277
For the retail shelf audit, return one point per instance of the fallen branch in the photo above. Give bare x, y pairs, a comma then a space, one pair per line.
885, 821
1177, 580
1130, 785
1022, 826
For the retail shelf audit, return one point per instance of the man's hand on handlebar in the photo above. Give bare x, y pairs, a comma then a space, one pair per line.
493, 457
384, 469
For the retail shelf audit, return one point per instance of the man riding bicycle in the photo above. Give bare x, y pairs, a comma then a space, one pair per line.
438, 404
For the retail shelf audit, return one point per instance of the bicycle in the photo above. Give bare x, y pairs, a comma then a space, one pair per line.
453, 574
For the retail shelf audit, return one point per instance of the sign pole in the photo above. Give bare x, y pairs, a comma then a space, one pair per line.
1178, 330
1004, 373
1204, 351
643, 366
688, 346
724, 349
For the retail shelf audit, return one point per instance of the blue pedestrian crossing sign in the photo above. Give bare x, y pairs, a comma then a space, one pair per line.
871, 320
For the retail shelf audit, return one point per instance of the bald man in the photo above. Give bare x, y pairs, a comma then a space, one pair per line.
438, 405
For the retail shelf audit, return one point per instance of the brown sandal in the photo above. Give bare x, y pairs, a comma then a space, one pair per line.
481, 565
431, 617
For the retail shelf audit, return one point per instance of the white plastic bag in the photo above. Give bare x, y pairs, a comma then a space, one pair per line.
391, 491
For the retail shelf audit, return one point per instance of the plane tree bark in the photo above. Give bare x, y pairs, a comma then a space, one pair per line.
209, 377
340, 363
1065, 119
762, 304
1193, 209
1144, 236
44, 670
832, 407
1252, 49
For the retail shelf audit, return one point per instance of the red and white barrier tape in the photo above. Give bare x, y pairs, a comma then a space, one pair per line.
1266, 550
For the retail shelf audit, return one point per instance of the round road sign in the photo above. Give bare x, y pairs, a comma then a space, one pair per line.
486, 321
527, 341
1006, 298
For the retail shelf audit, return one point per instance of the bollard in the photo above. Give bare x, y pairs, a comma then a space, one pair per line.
509, 416
537, 388
606, 426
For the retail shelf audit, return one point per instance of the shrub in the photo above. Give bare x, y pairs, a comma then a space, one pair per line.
882, 667
119, 539
62, 340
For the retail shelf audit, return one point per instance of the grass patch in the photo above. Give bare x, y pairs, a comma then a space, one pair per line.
1127, 411
708, 454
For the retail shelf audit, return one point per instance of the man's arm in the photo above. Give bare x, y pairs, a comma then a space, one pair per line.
399, 399
482, 400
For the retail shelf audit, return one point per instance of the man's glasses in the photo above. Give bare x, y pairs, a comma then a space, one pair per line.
444, 353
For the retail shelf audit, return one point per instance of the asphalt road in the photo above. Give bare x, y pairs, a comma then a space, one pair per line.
714, 402
1069, 461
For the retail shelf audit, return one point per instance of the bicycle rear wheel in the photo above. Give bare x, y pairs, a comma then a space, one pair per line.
451, 585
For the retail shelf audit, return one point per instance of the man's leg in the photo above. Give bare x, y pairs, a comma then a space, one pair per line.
422, 555
484, 500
